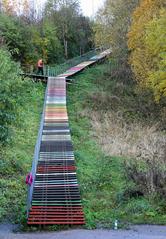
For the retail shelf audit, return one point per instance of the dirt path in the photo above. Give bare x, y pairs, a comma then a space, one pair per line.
136, 232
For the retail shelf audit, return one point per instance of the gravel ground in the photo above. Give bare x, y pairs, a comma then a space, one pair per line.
136, 232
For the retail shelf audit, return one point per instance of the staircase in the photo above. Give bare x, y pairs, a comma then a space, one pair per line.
56, 196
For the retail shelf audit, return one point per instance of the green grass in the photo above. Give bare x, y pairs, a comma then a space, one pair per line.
16, 157
100, 177
103, 183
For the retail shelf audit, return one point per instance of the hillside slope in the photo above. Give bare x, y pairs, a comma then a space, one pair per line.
113, 136
16, 157
101, 137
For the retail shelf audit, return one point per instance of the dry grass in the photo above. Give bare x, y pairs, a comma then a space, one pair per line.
143, 145
118, 138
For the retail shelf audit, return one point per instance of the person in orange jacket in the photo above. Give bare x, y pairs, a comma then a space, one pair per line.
40, 66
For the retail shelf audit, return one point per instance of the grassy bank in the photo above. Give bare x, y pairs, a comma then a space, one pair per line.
107, 120
107, 190
16, 157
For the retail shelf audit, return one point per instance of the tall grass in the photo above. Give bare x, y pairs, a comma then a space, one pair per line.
144, 145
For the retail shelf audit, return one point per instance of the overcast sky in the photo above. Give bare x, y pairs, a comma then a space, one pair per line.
89, 7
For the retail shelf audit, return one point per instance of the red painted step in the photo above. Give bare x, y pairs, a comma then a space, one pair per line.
59, 217
56, 223
57, 207
56, 212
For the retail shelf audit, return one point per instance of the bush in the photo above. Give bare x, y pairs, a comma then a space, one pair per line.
146, 40
148, 171
9, 93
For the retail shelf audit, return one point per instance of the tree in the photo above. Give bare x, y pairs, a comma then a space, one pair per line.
84, 34
111, 28
74, 31
7, 6
15, 7
146, 42
112, 24
26, 8
63, 13
17, 36
59, 32
155, 43
46, 42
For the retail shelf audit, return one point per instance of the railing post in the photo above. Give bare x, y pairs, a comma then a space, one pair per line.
48, 71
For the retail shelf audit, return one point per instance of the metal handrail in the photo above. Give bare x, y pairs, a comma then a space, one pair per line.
36, 156
54, 70
59, 69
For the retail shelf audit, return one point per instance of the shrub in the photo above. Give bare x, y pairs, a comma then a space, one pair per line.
148, 172
9, 93
146, 40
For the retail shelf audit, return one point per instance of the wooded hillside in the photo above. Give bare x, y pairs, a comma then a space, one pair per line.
136, 33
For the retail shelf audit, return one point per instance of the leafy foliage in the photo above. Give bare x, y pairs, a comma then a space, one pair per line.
59, 32
10, 34
54, 49
12, 7
111, 27
147, 41
74, 31
9, 93
155, 43
16, 157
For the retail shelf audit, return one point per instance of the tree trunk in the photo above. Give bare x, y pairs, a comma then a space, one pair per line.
66, 48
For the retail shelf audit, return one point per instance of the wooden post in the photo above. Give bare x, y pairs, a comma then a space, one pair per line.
48, 71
